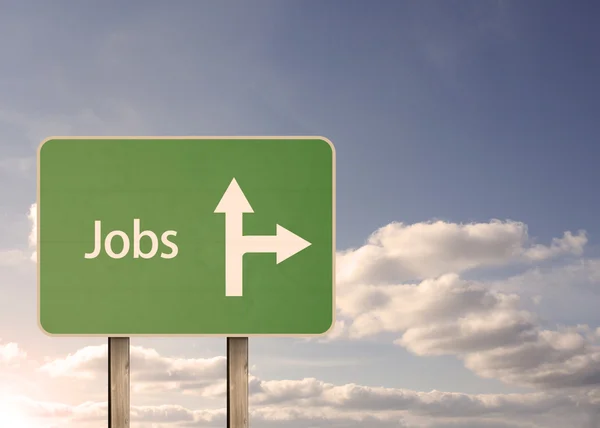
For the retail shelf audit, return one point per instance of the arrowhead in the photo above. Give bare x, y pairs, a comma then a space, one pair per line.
288, 244
234, 200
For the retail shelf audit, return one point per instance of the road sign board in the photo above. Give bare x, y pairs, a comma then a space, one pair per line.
168, 236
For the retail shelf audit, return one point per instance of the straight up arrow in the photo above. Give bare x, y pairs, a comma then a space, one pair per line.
285, 243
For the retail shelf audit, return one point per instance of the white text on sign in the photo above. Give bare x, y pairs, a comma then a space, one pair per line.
138, 234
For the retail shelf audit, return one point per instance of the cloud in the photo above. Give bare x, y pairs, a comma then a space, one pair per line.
12, 257
32, 216
56, 412
568, 244
310, 402
447, 315
15, 257
485, 328
11, 354
399, 252
312, 392
581, 274
151, 372
373, 309
86, 363
552, 359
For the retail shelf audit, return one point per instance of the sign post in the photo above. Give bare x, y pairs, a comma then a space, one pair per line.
118, 382
186, 236
237, 382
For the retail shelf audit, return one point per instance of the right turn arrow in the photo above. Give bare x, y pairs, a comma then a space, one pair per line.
285, 243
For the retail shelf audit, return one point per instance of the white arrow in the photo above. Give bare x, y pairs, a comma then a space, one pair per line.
285, 243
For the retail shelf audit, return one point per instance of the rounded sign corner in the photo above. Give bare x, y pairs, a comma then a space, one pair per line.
44, 330
44, 142
330, 327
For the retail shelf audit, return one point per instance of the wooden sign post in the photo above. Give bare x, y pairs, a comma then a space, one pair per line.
237, 382
118, 382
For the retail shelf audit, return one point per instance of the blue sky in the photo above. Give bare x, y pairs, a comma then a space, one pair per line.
460, 111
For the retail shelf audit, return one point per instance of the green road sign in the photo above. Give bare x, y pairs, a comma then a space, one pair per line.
186, 236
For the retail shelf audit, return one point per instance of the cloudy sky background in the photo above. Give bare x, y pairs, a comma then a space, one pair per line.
468, 258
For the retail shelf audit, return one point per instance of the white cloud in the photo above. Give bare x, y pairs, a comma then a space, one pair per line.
15, 257
313, 403
204, 376
446, 315
399, 252
551, 359
577, 275
12, 257
485, 328
568, 244
11, 353
53, 412
151, 372
32, 216
85, 363
373, 309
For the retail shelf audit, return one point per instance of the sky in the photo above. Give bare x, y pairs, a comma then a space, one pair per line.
468, 265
